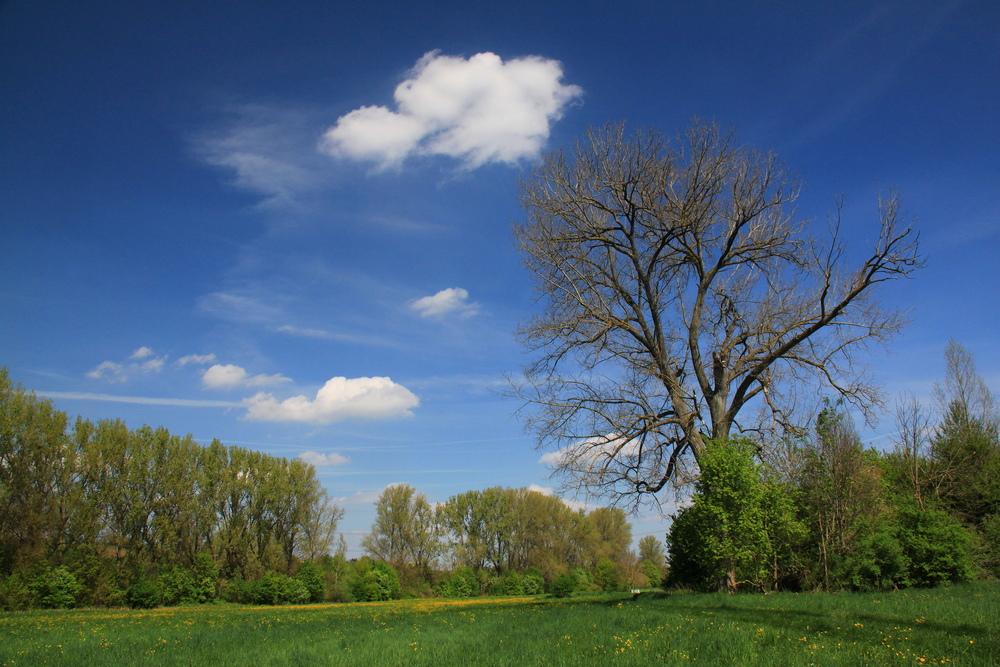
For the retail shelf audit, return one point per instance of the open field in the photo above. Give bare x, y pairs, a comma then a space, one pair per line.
957, 625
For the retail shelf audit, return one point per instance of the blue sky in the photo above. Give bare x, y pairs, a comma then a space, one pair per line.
290, 228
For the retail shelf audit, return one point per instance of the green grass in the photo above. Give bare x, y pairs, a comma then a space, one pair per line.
953, 625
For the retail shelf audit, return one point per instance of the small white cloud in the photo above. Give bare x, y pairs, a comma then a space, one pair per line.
479, 110
321, 460
111, 371
340, 398
361, 497
108, 370
199, 359
452, 300
305, 333
230, 376
544, 490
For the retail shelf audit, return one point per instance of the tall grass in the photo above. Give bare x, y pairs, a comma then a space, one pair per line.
957, 625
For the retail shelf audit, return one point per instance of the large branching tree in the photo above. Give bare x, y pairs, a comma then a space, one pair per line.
677, 287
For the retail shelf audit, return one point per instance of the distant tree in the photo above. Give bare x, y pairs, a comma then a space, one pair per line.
651, 549
677, 287
405, 530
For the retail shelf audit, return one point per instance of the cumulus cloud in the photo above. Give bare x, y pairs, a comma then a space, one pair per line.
479, 110
199, 359
321, 460
451, 300
340, 398
111, 371
230, 376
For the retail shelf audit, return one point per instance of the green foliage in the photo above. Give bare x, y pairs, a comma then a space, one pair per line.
651, 572
607, 575
736, 524
143, 594
57, 589
534, 584
511, 583
15, 593
564, 585
310, 577
938, 548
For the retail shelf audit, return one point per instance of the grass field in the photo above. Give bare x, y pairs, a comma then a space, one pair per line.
957, 625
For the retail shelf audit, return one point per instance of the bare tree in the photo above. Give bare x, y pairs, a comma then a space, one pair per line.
677, 287
913, 431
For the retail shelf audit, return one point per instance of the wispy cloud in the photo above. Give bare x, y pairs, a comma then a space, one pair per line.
323, 460
480, 110
198, 359
453, 300
268, 150
229, 376
305, 333
239, 308
340, 398
139, 400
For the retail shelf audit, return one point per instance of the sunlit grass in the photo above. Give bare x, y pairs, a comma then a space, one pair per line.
956, 625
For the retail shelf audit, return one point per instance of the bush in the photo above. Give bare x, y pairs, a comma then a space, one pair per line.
143, 594
57, 589
310, 577
206, 578
534, 584
938, 547
177, 586
563, 585
608, 576
15, 594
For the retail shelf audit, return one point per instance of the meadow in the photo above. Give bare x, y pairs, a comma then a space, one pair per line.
957, 625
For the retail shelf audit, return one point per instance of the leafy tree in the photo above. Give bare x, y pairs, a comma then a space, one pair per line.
677, 288
651, 549
405, 529
727, 535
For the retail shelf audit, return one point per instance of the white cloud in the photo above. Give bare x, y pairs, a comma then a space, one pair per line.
340, 398
321, 460
451, 300
108, 370
479, 110
199, 359
362, 497
112, 371
230, 376
139, 400
305, 333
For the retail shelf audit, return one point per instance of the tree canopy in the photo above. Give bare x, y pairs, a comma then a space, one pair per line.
676, 287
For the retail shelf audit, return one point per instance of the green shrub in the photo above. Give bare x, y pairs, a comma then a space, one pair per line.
608, 576
563, 585
534, 584
395, 590
938, 547
15, 593
178, 586
57, 589
206, 578
310, 577
143, 594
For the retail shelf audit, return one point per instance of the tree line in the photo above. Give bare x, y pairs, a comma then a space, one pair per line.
493, 538
822, 512
112, 506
